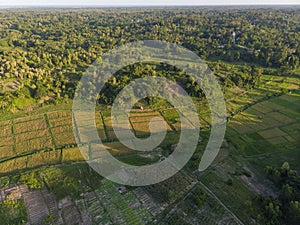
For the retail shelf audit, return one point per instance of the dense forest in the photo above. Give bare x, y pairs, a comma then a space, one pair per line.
43, 53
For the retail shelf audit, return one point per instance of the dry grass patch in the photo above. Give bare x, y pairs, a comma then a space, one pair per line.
43, 158
277, 140
5, 131
62, 139
31, 135
57, 122
6, 141
283, 119
28, 118
34, 144
72, 155
13, 165
275, 132
59, 114
6, 151
30, 126
62, 129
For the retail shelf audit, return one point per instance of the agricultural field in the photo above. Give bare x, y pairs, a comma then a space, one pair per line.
273, 123
230, 189
122, 208
6, 140
169, 190
140, 122
198, 205
13, 212
61, 127
51, 138
31, 134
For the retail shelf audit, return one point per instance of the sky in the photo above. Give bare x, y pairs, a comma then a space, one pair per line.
141, 2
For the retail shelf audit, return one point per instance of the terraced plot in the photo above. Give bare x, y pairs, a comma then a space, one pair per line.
275, 121
122, 209
6, 140
199, 207
140, 123
32, 134
61, 127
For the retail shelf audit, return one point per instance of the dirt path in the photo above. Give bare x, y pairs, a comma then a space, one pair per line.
221, 203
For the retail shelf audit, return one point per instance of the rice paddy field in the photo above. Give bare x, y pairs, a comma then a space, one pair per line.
33, 140
273, 123
49, 138
263, 129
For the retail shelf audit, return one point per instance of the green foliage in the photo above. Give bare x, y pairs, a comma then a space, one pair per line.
13, 212
31, 179
285, 208
49, 59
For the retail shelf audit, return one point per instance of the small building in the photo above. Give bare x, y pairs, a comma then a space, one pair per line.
233, 37
122, 189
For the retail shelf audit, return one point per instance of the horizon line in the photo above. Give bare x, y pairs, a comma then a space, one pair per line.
131, 5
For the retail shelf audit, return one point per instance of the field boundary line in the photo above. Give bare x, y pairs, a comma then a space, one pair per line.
14, 136
50, 130
131, 125
221, 203
170, 125
104, 126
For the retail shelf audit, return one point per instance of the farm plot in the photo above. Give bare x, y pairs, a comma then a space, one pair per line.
199, 207
6, 140
73, 154
121, 120
266, 127
96, 210
293, 130
13, 165
43, 158
278, 137
140, 123
84, 121
172, 116
170, 189
59, 114
235, 195
264, 115
120, 210
62, 129
5, 129
29, 124
32, 134
36, 206
71, 215
31, 161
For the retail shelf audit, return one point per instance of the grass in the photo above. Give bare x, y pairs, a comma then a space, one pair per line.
199, 205
32, 135
234, 196
6, 151
169, 189
140, 123
13, 212
172, 117
70, 179
272, 133
44, 142
27, 126
71, 155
